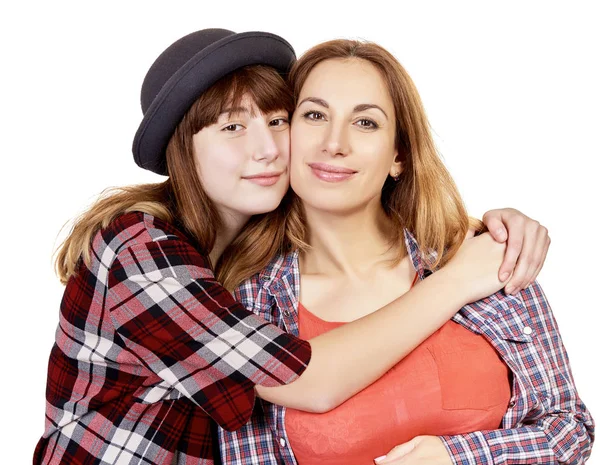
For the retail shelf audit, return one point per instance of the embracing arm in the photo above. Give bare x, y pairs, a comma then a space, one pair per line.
349, 358
185, 327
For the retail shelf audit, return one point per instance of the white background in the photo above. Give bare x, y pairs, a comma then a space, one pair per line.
511, 89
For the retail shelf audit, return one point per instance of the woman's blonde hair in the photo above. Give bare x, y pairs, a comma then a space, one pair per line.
425, 199
182, 199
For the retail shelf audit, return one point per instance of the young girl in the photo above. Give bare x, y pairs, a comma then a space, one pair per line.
150, 346
375, 211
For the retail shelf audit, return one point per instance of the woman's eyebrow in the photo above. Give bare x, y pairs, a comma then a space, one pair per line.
318, 101
369, 106
357, 108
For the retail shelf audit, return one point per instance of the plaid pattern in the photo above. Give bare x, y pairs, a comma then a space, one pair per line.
546, 422
149, 348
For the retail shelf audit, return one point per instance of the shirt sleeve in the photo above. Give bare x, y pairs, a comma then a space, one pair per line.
184, 326
564, 435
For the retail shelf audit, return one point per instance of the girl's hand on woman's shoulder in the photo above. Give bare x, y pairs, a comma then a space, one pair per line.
474, 268
527, 245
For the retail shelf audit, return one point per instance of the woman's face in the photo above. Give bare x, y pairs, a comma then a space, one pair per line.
343, 133
243, 159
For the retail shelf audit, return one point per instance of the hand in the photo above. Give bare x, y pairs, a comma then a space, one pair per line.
473, 271
528, 244
422, 450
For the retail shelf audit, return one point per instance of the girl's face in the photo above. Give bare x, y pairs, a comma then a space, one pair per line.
243, 159
343, 133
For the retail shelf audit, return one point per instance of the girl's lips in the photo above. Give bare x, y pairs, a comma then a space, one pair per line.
264, 179
331, 173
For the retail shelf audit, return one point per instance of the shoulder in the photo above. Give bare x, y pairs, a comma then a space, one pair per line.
139, 230
518, 318
537, 307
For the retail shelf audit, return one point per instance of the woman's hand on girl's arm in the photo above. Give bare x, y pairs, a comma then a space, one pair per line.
421, 450
528, 244
555, 426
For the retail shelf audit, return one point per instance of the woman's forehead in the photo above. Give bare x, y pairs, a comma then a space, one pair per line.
351, 80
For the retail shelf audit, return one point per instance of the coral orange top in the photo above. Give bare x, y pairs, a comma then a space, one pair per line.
453, 383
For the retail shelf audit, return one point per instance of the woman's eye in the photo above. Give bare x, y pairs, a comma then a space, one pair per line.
314, 115
367, 124
232, 128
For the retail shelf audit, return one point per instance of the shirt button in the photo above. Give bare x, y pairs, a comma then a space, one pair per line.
511, 403
527, 330
286, 312
282, 442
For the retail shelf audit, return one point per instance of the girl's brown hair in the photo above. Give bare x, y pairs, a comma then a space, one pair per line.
182, 198
425, 199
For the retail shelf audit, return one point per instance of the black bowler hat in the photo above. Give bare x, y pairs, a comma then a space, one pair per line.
185, 70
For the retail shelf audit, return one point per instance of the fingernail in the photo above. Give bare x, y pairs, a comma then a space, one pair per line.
501, 233
504, 276
508, 289
379, 459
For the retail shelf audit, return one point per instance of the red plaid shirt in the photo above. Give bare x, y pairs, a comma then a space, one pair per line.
546, 422
149, 347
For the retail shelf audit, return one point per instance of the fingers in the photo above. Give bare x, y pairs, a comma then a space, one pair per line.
514, 247
494, 221
532, 266
396, 453
543, 260
527, 246
404, 460
531, 258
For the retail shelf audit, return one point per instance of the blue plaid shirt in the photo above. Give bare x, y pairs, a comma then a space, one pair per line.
546, 421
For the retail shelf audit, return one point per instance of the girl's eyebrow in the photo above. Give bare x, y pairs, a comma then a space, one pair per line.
357, 108
235, 110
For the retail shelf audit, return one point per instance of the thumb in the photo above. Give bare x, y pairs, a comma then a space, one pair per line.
396, 452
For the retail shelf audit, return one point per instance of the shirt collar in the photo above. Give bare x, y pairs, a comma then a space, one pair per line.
279, 267
419, 258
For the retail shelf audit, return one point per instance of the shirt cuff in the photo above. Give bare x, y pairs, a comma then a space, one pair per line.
468, 449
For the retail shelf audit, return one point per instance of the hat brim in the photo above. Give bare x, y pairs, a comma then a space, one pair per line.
196, 76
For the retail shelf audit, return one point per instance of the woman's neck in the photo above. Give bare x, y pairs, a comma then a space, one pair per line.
352, 243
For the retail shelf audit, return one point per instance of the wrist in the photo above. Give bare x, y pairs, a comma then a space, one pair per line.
450, 285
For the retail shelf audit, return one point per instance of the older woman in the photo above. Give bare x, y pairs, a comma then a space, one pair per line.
375, 212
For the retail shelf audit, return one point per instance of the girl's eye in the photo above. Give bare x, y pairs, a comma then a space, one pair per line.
367, 124
278, 122
232, 128
314, 116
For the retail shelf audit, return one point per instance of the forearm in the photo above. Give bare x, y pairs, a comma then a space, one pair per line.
556, 439
349, 358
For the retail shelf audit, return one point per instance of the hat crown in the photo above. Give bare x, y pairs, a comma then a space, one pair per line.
173, 58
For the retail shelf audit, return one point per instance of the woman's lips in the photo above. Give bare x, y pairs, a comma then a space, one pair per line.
264, 179
331, 173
